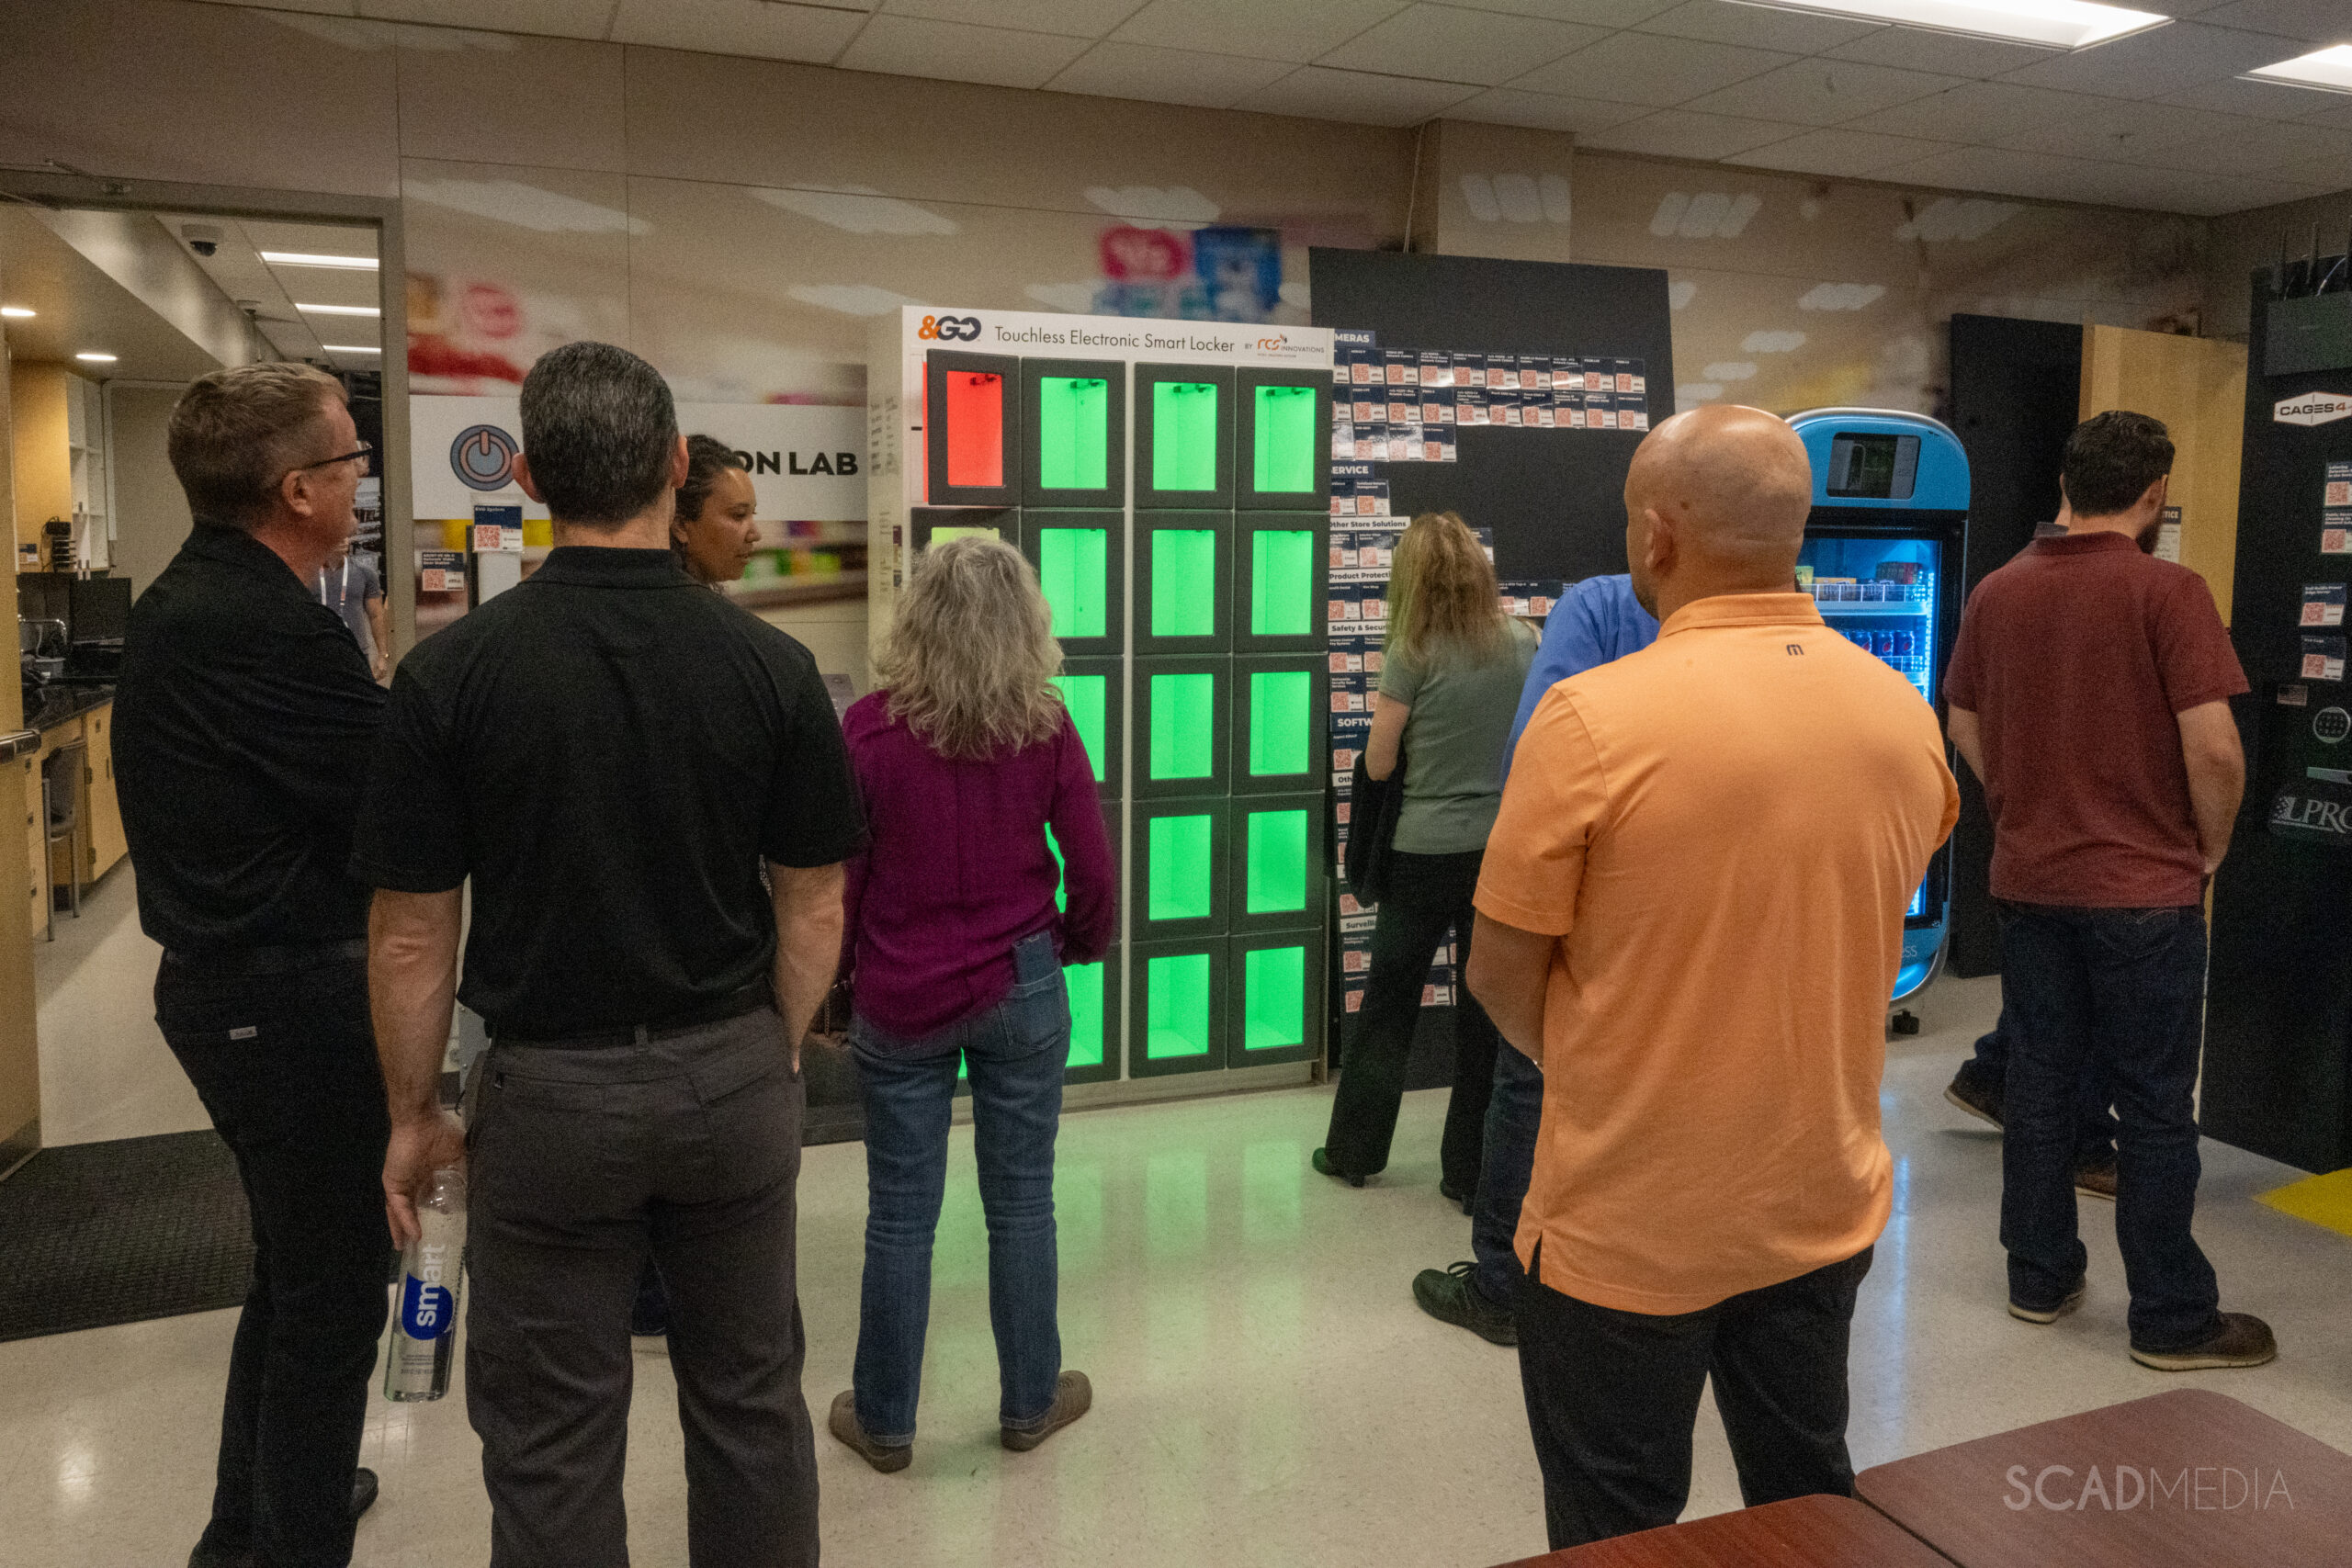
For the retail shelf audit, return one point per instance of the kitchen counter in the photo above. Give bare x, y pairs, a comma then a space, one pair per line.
65, 702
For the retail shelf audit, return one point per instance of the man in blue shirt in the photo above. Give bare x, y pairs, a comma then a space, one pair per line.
1595, 622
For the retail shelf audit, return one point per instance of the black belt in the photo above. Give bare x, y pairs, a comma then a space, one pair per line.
735, 1004
254, 961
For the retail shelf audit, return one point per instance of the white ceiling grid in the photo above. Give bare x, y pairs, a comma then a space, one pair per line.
2159, 119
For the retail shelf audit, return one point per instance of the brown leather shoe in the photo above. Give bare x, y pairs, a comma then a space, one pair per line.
842, 1423
2242, 1340
1073, 1397
2096, 1180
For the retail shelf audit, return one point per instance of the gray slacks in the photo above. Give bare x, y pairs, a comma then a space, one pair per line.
584, 1160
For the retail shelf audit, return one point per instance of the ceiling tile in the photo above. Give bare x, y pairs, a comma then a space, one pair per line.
563, 19
1676, 133
1081, 19
1455, 45
2052, 179
2328, 173
1320, 93
2258, 147
2150, 65
1597, 13
2122, 131
1543, 111
1850, 153
1166, 75
2314, 21
1645, 68
2259, 100
1916, 48
952, 51
2340, 112
2201, 196
1974, 111
1758, 27
1292, 29
1821, 92
812, 33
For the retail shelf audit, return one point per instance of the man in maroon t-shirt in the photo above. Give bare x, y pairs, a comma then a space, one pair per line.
2090, 691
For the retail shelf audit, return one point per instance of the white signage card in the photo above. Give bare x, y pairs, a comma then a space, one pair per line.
2312, 408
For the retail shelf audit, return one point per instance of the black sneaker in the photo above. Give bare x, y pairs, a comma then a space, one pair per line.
2072, 1299
363, 1491
1322, 1162
1465, 1196
1449, 1296
1979, 1101
2242, 1339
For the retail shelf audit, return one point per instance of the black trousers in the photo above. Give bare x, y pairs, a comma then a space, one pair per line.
1426, 895
585, 1162
286, 1067
1611, 1396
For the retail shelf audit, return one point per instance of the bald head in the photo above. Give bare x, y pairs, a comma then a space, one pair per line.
1715, 502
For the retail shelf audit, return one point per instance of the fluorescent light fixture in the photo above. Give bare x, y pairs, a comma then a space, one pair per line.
15, 312
2053, 24
96, 358
304, 258
2330, 70
339, 309
350, 349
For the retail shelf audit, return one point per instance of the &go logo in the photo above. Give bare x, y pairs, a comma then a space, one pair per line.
949, 329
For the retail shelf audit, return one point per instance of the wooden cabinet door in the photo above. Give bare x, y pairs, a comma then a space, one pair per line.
107, 843
36, 839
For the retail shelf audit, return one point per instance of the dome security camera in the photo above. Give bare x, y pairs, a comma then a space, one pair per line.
204, 239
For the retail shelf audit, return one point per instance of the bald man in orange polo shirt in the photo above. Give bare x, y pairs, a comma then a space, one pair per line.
1690, 916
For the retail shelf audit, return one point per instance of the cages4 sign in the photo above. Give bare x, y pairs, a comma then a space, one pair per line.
2312, 408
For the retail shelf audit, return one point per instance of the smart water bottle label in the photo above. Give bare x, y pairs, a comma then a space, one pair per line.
2322, 659
2324, 604
427, 1311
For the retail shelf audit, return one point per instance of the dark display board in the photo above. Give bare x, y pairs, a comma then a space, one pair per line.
2016, 395
2279, 1014
1555, 498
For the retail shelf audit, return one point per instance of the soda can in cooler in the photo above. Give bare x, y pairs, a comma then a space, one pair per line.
424, 1316
1883, 643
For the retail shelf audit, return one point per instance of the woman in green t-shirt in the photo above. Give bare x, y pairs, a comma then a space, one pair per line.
1450, 678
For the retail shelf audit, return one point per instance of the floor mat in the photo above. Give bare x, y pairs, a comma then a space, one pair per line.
119, 1232
2322, 1199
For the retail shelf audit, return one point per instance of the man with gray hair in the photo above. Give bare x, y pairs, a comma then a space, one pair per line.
245, 718
610, 752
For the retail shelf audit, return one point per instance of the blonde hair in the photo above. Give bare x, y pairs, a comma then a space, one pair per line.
969, 660
1442, 592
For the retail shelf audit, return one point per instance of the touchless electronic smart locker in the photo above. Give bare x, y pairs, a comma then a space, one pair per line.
1880, 560
1168, 481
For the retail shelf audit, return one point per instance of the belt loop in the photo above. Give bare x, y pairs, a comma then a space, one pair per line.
643, 1034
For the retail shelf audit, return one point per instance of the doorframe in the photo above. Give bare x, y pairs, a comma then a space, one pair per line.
106, 193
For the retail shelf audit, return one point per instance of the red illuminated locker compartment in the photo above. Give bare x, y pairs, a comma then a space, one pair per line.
971, 439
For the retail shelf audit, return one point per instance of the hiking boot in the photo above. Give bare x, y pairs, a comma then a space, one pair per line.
1322, 1162
1073, 1397
2241, 1339
2072, 1299
842, 1423
1452, 1296
2097, 1178
1978, 1100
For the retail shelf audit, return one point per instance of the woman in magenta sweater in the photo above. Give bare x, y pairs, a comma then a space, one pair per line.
965, 758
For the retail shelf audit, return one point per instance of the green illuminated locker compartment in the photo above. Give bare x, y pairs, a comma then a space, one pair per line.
1178, 1008
1177, 859
1094, 689
1183, 728
1081, 564
1183, 583
1280, 851
972, 447
929, 525
1282, 447
1282, 723
1074, 426
1275, 998
1095, 1042
1281, 581
1184, 436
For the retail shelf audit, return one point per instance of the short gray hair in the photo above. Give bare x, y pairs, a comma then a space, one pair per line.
235, 433
599, 429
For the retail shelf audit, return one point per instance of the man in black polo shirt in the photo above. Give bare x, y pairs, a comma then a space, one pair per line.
610, 751
245, 719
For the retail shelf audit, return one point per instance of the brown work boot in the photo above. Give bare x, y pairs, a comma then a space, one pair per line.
1073, 1396
843, 1424
2241, 1340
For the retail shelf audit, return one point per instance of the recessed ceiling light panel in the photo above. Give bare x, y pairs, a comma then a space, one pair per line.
350, 349
339, 309
2328, 69
2053, 24
304, 258
96, 358
15, 312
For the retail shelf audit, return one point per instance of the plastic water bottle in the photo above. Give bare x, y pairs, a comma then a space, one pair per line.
424, 1318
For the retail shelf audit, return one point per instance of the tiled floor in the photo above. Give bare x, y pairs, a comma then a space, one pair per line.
105, 1070
1266, 1389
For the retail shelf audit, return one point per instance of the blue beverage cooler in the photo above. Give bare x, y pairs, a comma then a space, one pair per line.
1882, 560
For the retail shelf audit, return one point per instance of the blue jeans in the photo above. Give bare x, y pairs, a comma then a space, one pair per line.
2094, 1133
2123, 990
1015, 1053
1514, 1113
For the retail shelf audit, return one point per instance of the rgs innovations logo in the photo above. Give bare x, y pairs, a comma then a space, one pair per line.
2312, 408
949, 329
